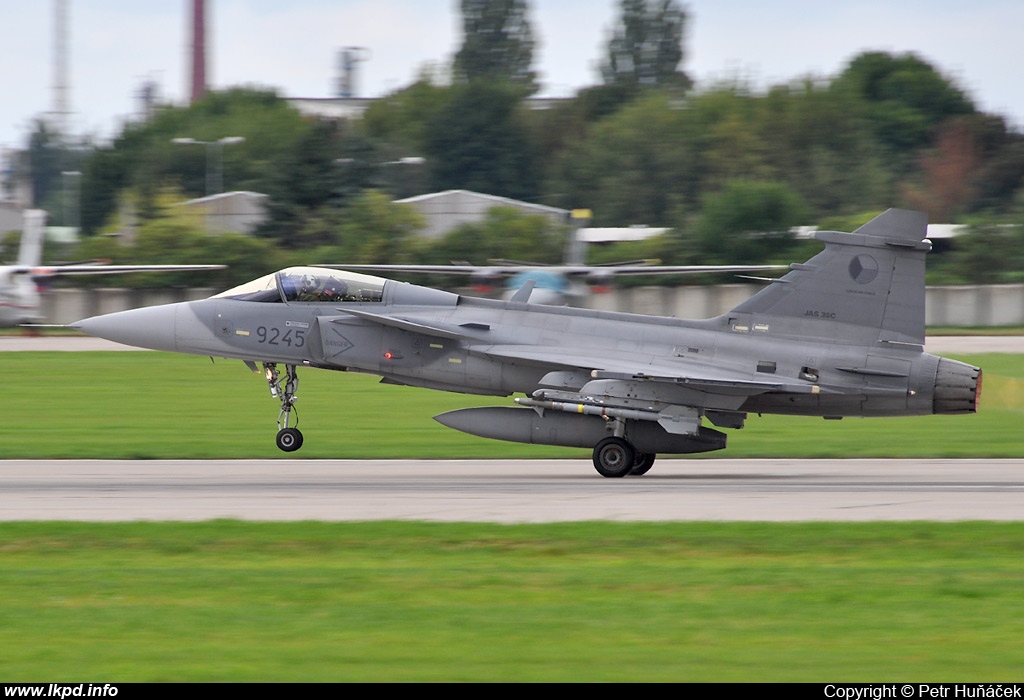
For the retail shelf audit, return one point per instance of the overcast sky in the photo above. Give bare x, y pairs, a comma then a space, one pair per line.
292, 46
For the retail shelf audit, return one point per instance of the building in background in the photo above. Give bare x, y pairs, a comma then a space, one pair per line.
444, 211
236, 212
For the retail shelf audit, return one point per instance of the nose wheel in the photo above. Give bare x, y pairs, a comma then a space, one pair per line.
289, 438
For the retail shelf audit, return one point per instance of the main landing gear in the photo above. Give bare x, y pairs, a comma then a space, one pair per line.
614, 457
288, 439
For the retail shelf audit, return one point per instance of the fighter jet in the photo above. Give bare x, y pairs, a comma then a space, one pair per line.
19, 283
839, 335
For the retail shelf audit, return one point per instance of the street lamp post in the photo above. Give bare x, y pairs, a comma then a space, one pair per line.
407, 160
214, 159
72, 198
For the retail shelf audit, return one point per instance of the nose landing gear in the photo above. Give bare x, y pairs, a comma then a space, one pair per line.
289, 439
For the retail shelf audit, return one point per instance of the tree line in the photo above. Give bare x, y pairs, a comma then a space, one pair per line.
728, 167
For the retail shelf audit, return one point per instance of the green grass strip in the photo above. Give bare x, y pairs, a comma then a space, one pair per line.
232, 601
159, 405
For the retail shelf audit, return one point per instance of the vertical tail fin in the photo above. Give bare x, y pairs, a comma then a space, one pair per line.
865, 287
30, 252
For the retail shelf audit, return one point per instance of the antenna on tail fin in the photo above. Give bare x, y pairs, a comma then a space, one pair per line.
865, 287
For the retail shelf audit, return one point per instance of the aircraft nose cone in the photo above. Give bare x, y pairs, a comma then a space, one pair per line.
152, 327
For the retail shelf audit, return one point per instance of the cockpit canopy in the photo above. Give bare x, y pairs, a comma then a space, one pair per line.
316, 284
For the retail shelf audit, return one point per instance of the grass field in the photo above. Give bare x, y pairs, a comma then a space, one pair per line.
224, 600
160, 405
233, 601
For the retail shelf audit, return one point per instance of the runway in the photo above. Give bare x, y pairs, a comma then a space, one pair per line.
511, 491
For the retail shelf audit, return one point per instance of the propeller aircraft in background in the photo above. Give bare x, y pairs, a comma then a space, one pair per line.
569, 282
19, 283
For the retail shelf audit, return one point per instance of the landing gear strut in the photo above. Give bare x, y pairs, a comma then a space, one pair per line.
288, 439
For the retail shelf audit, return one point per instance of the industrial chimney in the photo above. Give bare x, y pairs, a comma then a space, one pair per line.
198, 50
61, 89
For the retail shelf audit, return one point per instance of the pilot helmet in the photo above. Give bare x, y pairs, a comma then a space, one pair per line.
334, 287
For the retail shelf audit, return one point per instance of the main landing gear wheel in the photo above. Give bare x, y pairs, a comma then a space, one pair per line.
289, 439
614, 457
642, 464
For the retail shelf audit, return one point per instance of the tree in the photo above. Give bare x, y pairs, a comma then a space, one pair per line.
497, 43
506, 233
48, 156
478, 140
948, 174
813, 139
176, 235
637, 166
142, 157
307, 180
403, 118
749, 222
988, 254
1001, 163
903, 96
567, 121
375, 229
647, 46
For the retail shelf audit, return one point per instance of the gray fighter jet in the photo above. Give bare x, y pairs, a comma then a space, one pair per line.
840, 335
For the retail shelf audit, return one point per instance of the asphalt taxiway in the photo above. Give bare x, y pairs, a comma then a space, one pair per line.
511, 491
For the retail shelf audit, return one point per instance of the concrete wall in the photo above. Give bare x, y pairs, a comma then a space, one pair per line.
993, 305
681, 302
963, 306
70, 305
996, 305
